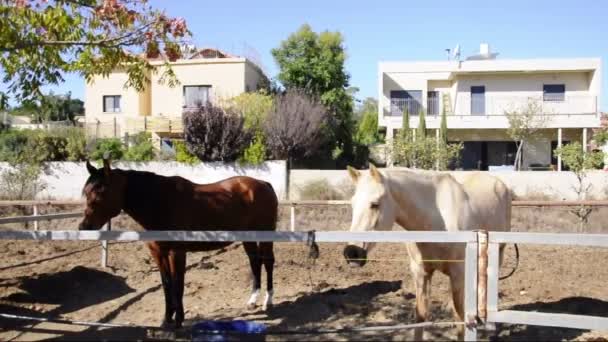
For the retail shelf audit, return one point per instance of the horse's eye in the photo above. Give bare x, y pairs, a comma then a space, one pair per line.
375, 205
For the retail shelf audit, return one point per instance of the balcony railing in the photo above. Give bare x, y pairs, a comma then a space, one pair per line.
497, 105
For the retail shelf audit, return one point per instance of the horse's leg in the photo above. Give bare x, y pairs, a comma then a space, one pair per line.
423, 293
267, 254
177, 262
251, 248
162, 261
457, 286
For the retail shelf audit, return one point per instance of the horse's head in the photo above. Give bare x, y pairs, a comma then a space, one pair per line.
105, 195
372, 208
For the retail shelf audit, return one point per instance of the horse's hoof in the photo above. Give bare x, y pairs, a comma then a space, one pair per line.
267, 307
167, 324
251, 306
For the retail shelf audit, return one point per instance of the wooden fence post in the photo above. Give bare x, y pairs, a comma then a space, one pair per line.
482, 279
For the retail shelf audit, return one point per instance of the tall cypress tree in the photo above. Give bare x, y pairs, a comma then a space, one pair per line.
443, 130
405, 126
421, 134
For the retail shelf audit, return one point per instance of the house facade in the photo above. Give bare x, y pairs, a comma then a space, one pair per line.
477, 92
209, 75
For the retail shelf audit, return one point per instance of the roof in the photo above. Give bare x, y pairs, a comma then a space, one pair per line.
493, 65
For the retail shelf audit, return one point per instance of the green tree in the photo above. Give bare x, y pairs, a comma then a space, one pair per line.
254, 106
424, 153
315, 62
524, 123
367, 127
41, 41
405, 125
443, 130
579, 162
421, 133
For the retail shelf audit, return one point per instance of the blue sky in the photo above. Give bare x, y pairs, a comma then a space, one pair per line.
400, 30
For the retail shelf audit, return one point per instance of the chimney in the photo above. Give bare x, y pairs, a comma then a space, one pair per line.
484, 49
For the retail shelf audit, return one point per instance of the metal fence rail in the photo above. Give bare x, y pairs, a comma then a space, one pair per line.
537, 318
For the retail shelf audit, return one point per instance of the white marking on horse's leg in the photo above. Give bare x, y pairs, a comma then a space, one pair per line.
251, 303
268, 300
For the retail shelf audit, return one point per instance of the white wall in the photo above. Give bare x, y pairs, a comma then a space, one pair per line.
66, 179
558, 185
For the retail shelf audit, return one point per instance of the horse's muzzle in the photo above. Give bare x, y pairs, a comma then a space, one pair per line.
85, 226
355, 255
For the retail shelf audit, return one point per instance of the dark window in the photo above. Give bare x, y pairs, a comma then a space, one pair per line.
111, 104
196, 96
554, 92
432, 102
402, 99
478, 100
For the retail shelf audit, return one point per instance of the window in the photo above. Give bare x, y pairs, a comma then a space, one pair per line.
478, 100
111, 104
402, 99
432, 102
554, 92
196, 96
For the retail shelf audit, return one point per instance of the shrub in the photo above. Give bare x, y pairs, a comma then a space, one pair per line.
295, 127
182, 155
322, 190
111, 145
21, 182
255, 153
141, 148
215, 134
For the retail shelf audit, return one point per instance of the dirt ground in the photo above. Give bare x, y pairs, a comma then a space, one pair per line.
64, 279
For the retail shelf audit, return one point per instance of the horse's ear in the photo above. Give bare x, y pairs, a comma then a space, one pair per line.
353, 173
92, 170
106, 164
373, 171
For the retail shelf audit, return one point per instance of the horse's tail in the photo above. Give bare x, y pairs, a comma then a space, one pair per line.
516, 263
276, 206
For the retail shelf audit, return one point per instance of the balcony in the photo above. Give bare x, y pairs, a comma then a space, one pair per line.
573, 111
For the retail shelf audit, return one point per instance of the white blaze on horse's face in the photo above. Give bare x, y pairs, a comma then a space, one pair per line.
372, 209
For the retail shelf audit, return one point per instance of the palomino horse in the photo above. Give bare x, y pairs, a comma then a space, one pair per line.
165, 203
428, 201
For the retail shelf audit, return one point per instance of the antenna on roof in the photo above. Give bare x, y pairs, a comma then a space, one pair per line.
456, 53
447, 51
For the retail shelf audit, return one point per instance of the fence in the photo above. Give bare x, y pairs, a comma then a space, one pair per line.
481, 257
292, 204
118, 127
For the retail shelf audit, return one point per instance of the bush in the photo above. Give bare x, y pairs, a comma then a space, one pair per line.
111, 145
141, 148
21, 182
76, 147
215, 134
37, 146
322, 190
182, 155
255, 153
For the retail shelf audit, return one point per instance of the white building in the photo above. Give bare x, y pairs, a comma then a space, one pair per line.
475, 94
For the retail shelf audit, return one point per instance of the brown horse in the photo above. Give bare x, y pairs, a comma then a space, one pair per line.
166, 203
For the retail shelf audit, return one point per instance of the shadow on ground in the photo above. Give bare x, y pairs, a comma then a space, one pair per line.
570, 305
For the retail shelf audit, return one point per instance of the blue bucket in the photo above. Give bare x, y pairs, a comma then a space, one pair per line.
222, 330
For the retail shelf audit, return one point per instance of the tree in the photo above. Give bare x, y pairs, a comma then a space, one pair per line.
254, 106
421, 125
405, 125
314, 62
524, 124
294, 128
213, 133
41, 41
443, 130
367, 127
579, 162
